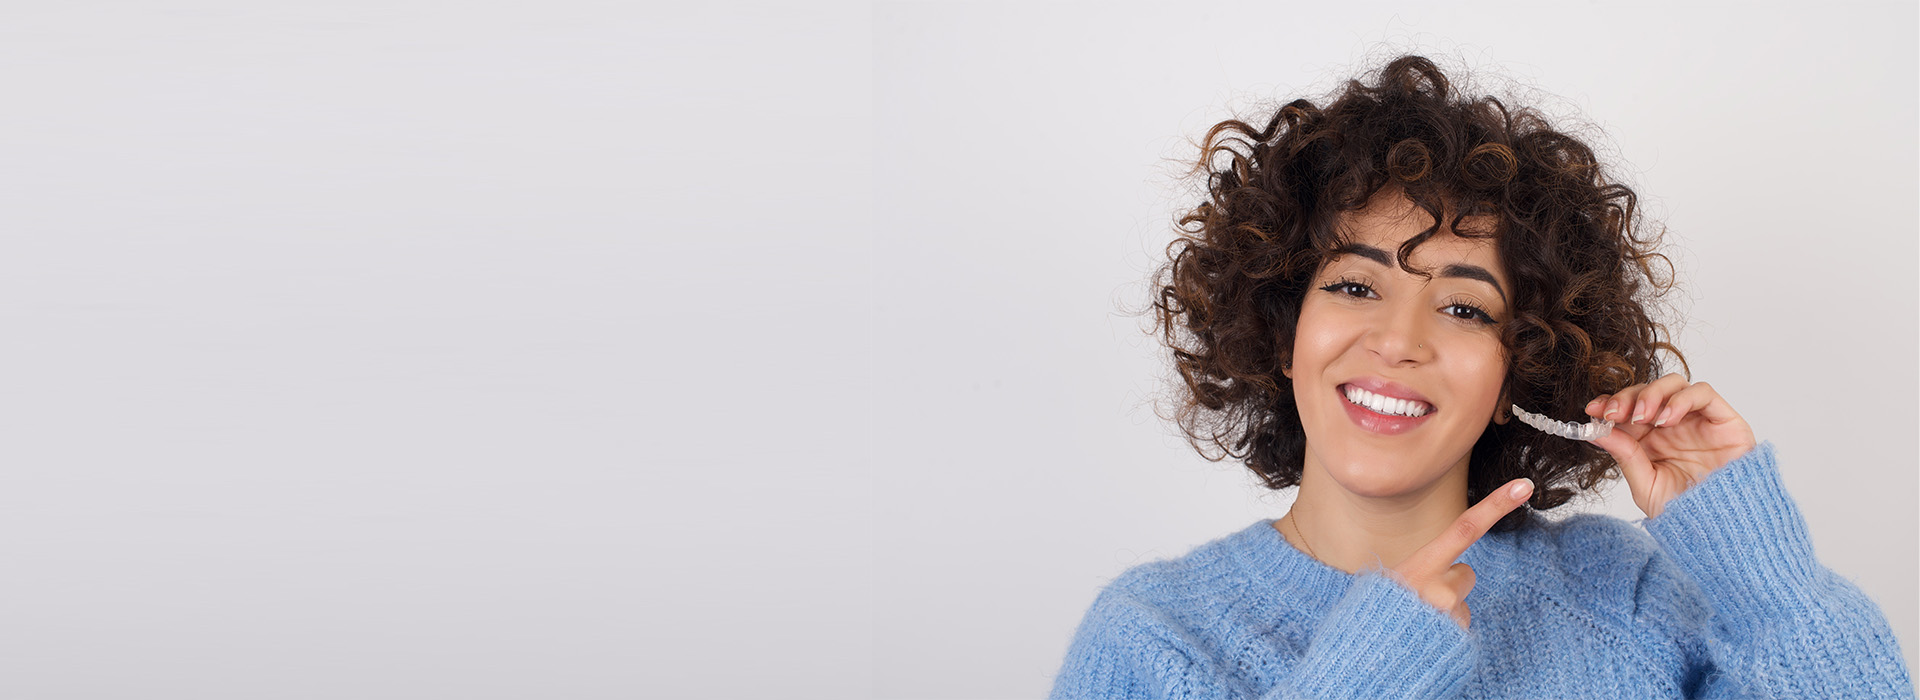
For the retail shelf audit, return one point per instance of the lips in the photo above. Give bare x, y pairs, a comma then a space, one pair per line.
1386, 404
1388, 389
1380, 423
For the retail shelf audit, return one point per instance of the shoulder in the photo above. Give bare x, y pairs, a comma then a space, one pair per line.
1593, 561
1198, 578
1193, 594
1599, 563
1591, 540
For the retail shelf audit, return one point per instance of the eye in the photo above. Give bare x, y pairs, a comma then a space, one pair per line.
1468, 312
1349, 288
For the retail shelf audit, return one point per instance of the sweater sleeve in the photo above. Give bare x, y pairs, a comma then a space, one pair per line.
1379, 640
1382, 641
1741, 597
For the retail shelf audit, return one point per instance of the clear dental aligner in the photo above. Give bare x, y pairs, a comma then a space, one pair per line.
1572, 431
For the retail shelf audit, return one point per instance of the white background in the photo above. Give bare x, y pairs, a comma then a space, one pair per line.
433, 350
571, 349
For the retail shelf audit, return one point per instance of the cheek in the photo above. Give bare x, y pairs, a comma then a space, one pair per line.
1483, 374
1316, 337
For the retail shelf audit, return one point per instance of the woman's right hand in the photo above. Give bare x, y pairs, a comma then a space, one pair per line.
1431, 572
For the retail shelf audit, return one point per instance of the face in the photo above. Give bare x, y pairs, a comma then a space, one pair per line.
1423, 358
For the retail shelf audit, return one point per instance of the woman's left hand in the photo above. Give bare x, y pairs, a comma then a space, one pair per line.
1668, 435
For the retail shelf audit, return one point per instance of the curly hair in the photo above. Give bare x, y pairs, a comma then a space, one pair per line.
1570, 238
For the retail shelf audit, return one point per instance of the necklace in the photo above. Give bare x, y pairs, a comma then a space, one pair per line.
1302, 535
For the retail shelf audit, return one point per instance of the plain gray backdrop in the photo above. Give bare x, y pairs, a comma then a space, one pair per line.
404, 349
598, 349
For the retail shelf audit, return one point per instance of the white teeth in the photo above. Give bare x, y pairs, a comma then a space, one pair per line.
1382, 404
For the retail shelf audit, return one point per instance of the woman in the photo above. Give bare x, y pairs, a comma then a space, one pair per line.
1369, 291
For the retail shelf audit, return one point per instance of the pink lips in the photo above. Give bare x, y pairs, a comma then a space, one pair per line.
1382, 423
1392, 390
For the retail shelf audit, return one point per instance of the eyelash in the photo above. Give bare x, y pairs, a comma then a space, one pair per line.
1479, 315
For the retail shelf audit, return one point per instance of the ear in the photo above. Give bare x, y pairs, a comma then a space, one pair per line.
1286, 367
1502, 409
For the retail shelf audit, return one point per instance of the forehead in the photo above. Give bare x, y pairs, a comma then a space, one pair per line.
1390, 219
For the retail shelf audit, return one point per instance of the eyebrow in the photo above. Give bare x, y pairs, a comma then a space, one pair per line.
1463, 271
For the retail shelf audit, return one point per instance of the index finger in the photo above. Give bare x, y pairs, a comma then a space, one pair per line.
1471, 526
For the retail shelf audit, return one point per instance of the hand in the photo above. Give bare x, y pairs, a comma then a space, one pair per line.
1668, 435
1430, 570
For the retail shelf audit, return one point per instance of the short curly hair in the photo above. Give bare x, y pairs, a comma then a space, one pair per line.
1570, 238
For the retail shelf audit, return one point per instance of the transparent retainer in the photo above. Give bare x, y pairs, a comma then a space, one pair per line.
1593, 430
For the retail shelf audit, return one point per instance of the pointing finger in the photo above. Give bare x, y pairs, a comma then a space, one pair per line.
1471, 526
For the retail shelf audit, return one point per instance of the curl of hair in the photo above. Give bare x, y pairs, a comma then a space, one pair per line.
1571, 241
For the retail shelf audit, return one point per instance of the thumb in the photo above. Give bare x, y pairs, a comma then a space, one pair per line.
1633, 461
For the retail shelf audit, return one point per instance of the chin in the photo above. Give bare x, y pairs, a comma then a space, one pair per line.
1380, 476
1398, 485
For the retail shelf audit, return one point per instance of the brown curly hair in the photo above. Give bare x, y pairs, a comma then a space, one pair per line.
1569, 236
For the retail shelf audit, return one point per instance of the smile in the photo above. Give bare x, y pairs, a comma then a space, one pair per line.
1387, 404
1381, 414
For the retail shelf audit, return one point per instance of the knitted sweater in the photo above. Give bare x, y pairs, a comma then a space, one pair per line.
1720, 596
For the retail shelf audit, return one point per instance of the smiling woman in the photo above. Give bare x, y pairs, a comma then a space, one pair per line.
1356, 309
1364, 188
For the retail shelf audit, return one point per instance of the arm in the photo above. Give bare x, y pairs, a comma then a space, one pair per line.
1740, 594
1379, 640
1382, 641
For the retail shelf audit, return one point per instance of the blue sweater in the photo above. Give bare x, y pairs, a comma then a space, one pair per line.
1724, 599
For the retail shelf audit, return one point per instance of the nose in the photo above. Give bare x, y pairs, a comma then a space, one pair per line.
1400, 337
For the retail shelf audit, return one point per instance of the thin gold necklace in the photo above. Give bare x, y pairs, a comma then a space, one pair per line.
1302, 535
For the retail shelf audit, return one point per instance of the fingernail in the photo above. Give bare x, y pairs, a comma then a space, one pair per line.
1521, 489
1639, 412
1612, 408
1657, 422
1592, 404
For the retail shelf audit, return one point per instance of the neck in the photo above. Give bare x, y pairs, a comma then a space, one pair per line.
1351, 532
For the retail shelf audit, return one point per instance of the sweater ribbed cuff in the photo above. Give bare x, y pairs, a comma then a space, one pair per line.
1381, 640
1739, 535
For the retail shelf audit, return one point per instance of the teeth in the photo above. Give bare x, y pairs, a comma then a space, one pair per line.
1382, 404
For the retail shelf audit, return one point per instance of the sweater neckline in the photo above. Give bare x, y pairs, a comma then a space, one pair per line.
1271, 561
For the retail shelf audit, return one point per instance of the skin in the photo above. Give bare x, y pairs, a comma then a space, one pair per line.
1399, 503
1367, 499
1674, 433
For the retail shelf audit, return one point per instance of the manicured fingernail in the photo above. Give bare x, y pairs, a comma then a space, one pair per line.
1523, 488
1639, 412
1657, 422
1592, 404
1612, 408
